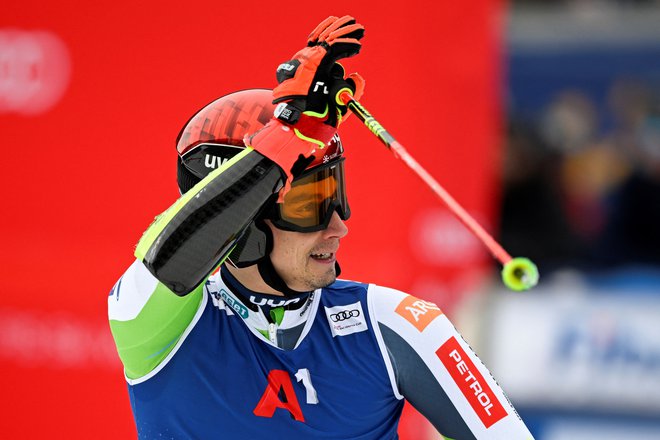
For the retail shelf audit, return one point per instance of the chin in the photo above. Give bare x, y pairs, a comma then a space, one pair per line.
326, 281
322, 281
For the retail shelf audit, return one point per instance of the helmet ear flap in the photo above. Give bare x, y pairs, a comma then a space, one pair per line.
253, 245
184, 177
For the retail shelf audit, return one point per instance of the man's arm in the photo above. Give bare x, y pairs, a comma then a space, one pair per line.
438, 373
147, 320
193, 237
189, 240
185, 243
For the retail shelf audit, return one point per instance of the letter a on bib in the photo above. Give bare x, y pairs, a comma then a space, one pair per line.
270, 400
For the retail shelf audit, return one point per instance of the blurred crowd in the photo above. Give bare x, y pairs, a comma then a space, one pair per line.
582, 183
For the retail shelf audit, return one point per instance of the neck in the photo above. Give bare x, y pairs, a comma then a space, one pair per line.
250, 278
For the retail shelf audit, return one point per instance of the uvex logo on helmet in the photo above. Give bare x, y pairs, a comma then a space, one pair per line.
211, 161
207, 156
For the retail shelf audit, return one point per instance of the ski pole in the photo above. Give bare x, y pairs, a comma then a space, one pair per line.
517, 273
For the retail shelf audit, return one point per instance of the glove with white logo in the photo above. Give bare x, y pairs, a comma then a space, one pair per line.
309, 109
313, 78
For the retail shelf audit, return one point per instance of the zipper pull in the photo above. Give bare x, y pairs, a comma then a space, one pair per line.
272, 333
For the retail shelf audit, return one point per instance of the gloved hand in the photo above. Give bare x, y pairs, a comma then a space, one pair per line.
312, 80
309, 109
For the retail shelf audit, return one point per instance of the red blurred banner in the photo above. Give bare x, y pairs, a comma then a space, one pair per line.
92, 97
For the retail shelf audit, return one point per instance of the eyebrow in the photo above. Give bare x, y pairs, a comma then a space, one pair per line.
304, 197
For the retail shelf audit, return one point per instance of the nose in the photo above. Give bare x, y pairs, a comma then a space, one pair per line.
336, 228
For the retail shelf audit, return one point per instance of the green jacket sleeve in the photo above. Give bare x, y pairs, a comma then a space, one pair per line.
148, 321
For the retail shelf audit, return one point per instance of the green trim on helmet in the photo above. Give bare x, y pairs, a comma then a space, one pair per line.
145, 341
159, 223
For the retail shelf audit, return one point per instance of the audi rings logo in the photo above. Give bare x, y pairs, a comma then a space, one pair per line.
35, 68
346, 319
344, 315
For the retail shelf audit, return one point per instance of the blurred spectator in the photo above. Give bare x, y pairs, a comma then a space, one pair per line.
589, 179
569, 122
629, 102
532, 221
575, 197
634, 227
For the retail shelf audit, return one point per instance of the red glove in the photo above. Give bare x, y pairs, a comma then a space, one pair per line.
309, 109
312, 78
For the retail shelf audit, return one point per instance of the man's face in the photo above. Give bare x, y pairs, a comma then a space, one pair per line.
306, 260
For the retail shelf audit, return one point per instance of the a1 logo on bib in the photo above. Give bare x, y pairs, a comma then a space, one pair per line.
347, 319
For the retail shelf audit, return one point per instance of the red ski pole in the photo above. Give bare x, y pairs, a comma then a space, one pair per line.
517, 273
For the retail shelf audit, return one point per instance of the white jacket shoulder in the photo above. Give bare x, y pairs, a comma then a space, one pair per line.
402, 312
131, 292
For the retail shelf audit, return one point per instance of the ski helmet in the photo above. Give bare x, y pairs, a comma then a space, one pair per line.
215, 134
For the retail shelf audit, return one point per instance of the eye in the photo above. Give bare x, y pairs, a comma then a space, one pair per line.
306, 208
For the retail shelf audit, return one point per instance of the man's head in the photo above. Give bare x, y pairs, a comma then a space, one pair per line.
307, 260
293, 243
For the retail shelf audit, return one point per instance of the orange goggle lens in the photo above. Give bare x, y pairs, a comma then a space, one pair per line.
312, 199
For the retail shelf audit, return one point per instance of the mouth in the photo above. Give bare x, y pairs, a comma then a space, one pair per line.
325, 257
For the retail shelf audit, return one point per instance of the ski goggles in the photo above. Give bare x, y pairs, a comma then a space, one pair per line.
313, 198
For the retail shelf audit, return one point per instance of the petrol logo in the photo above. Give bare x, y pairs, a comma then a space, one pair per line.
471, 382
345, 320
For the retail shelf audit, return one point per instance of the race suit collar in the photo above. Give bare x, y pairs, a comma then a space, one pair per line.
283, 326
266, 302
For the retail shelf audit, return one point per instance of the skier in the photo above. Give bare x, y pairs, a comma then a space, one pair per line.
232, 324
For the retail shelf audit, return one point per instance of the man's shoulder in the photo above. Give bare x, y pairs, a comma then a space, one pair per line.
346, 287
396, 308
375, 292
